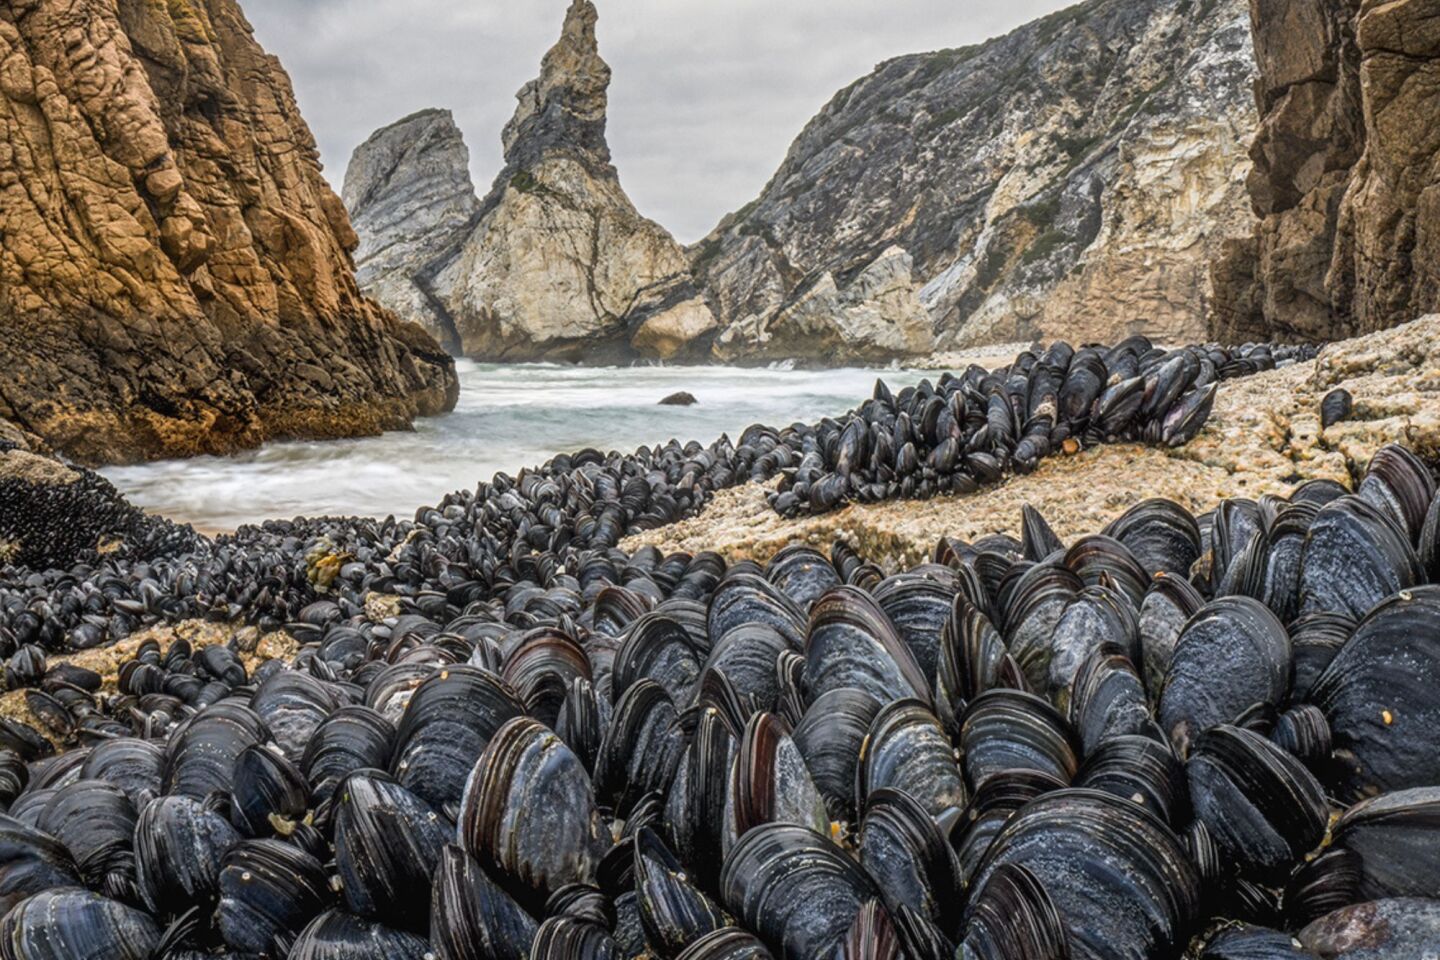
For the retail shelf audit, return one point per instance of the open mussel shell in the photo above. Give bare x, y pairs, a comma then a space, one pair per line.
471, 916
352, 738
1355, 555
180, 845
908, 857
907, 749
269, 891
795, 889
769, 782
1397, 928
337, 935
1008, 730
447, 723
66, 924
852, 644
1142, 894
1378, 695
1013, 917
830, 738
1232, 655
387, 843
1264, 809
525, 768
673, 911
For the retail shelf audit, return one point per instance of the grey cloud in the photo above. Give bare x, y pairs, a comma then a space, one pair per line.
707, 96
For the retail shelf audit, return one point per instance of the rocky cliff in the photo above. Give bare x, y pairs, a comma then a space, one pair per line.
413, 205
1073, 178
174, 271
560, 265
1347, 172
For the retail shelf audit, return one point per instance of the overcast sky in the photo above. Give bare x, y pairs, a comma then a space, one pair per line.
707, 94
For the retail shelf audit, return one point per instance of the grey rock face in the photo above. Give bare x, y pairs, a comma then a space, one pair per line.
1073, 178
413, 205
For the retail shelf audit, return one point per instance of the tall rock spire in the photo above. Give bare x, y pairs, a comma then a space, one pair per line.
561, 265
565, 106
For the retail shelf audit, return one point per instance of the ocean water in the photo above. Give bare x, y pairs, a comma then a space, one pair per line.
508, 417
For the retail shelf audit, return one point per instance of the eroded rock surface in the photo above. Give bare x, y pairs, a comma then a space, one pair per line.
1072, 179
1347, 172
413, 205
174, 271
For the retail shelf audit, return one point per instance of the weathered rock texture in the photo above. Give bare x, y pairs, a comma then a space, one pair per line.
413, 205
174, 275
561, 265
1264, 436
1072, 179
1347, 172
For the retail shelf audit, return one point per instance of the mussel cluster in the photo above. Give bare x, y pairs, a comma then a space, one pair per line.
63, 595
1217, 734
970, 430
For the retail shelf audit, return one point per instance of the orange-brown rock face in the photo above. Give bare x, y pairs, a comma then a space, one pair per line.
175, 274
1347, 173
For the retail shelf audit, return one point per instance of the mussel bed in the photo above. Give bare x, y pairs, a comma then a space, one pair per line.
1213, 735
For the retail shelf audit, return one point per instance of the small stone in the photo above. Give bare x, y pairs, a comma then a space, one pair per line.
680, 399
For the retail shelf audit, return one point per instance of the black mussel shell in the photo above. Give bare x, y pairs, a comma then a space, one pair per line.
336, 935
471, 916
906, 749
830, 738
1013, 916
769, 782
1355, 555
852, 644
1335, 407
70, 924
1141, 896
270, 794
1378, 695
794, 888
1264, 809
387, 843
1232, 655
352, 738
673, 911
906, 854
269, 891
1008, 730
525, 768
31, 861
1248, 942
446, 725
1396, 840
179, 846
